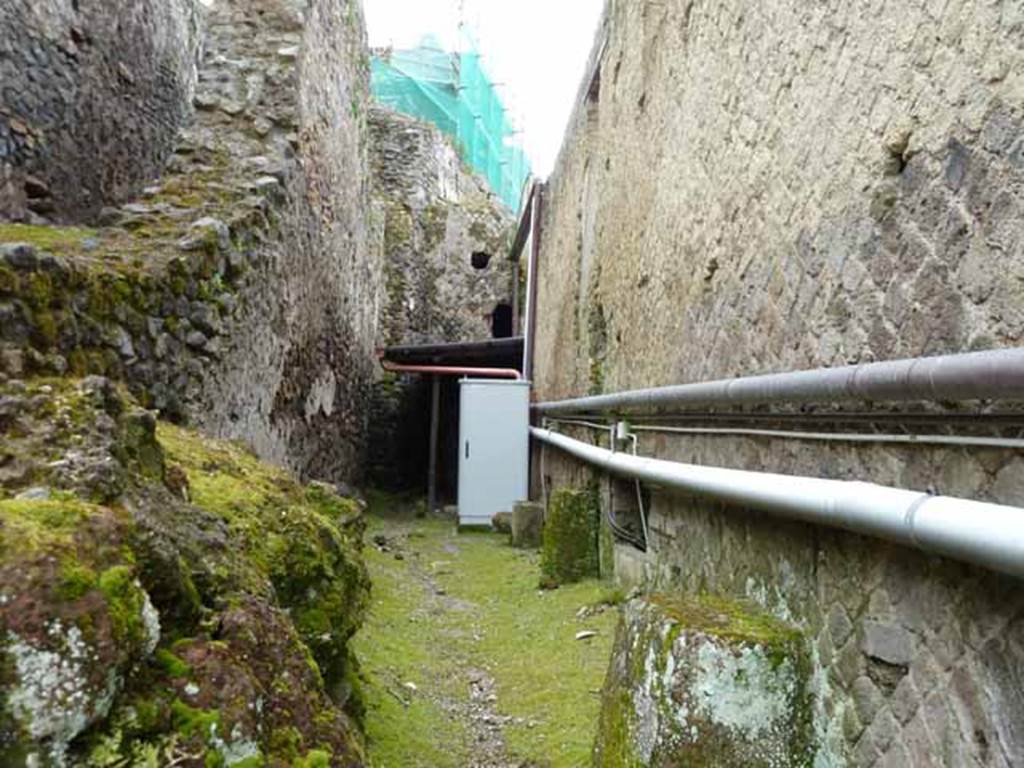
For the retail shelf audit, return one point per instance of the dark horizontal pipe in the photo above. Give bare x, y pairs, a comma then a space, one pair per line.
493, 351
988, 375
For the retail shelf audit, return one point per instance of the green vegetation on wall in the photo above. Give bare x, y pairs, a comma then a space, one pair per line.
570, 546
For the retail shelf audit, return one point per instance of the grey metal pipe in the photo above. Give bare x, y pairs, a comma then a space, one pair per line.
959, 441
990, 535
988, 375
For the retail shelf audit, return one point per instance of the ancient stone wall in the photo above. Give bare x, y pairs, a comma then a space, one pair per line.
91, 99
786, 187
439, 218
285, 92
242, 290
753, 188
438, 215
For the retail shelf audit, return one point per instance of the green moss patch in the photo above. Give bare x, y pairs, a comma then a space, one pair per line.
435, 224
305, 541
172, 664
726, 618
58, 417
31, 526
316, 758
190, 721
569, 550
58, 240
125, 601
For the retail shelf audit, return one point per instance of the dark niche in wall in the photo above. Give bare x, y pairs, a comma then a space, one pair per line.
480, 259
501, 321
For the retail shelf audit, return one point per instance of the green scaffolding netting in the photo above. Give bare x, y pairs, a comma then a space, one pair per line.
452, 91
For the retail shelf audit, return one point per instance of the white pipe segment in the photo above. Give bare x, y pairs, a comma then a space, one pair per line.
990, 535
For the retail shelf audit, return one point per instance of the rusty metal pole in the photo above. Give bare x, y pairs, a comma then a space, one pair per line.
515, 298
435, 407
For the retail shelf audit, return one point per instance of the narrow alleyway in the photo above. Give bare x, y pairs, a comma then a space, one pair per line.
465, 662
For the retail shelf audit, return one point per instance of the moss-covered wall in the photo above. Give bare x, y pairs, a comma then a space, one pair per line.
241, 291
140, 309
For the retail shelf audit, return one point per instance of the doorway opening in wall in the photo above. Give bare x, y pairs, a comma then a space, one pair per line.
480, 259
501, 322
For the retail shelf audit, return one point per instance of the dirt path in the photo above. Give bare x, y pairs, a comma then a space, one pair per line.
465, 663
478, 710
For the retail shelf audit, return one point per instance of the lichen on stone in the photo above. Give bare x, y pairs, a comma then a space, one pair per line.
74, 619
50, 697
705, 681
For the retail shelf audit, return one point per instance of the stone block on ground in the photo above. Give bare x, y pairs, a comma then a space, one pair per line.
502, 522
569, 548
527, 524
704, 681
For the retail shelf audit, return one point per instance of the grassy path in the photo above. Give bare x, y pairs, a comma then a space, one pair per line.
466, 663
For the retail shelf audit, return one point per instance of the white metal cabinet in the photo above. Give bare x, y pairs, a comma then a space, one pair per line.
493, 447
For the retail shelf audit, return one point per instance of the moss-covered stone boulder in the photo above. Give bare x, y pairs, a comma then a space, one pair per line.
167, 599
569, 551
704, 682
76, 621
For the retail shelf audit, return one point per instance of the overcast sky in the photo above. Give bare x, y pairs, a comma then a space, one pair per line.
537, 48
